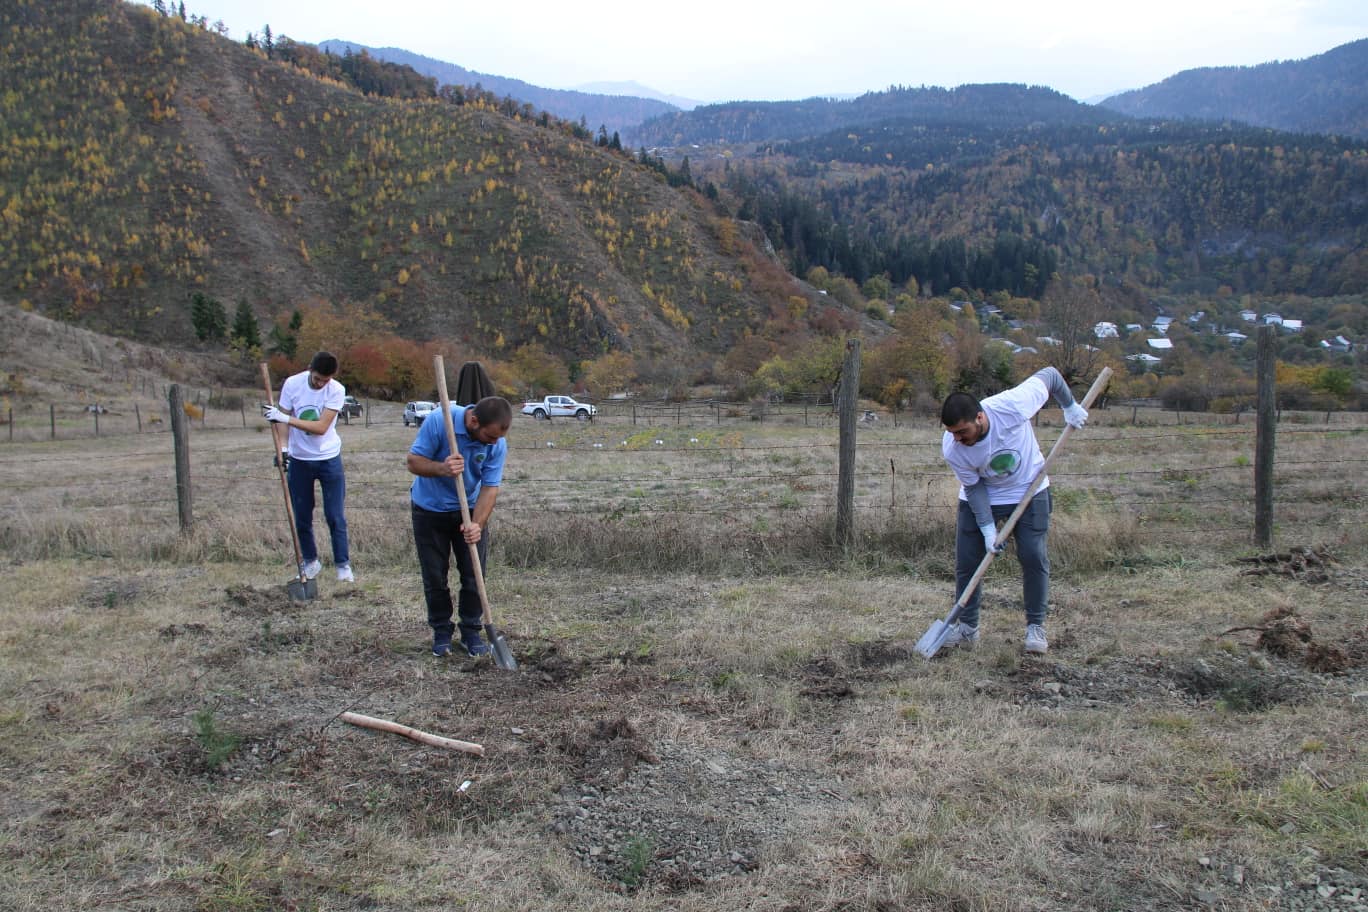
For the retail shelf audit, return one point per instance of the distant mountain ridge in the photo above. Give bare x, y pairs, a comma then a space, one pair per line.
749, 122
1327, 93
615, 112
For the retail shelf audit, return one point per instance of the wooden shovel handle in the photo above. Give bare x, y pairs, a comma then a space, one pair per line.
280, 464
423, 737
1093, 392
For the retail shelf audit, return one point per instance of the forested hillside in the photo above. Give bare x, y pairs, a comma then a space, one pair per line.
1327, 93
148, 159
1165, 205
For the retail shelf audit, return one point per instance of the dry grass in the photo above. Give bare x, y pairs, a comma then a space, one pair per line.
1149, 739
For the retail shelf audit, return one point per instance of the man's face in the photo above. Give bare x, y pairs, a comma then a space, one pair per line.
485, 433
318, 381
968, 433
489, 433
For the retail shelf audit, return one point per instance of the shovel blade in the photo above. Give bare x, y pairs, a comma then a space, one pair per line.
503, 656
302, 590
933, 639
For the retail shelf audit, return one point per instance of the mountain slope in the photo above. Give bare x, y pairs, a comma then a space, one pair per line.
1327, 93
149, 159
616, 112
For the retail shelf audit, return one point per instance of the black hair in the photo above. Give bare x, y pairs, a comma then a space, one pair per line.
959, 407
324, 363
493, 410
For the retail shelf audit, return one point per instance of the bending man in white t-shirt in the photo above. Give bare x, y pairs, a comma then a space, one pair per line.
309, 404
993, 452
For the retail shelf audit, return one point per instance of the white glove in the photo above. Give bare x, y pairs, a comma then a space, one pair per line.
274, 415
1075, 416
990, 538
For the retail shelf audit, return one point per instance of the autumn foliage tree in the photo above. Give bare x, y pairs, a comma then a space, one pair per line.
915, 359
610, 373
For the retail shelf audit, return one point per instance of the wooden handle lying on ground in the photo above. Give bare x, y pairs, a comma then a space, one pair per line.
422, 736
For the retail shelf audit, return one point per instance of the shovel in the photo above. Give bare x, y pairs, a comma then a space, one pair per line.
503, 656
934, 639
301, 589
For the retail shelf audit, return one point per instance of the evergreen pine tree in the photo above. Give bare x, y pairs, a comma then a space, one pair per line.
208, 317
286, 341
246, 332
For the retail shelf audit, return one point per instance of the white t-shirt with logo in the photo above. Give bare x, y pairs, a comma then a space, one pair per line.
303, 401
1008, 458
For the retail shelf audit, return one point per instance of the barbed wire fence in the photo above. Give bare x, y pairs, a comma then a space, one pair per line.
651, 472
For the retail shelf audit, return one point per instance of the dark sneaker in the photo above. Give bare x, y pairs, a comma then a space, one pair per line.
441, 646
474, 644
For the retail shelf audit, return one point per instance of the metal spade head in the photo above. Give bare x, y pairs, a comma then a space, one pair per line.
933, 639
302, 590
503, 656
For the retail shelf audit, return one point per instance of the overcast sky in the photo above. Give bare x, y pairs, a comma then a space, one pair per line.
719, 50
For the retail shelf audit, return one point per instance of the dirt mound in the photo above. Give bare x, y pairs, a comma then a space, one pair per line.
1308, 565
1284, 633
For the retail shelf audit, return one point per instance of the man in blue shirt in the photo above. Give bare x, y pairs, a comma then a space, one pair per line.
436, 507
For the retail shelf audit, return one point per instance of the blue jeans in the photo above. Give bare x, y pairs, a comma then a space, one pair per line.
1030, 533
437, 536
330, 477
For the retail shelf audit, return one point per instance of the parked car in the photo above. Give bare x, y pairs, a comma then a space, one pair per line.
559, 407
415, 412
350, 407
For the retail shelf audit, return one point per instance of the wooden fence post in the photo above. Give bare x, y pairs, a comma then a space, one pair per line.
97, 419
845, 474
137, 413
180, 434
52, 420
1265, 371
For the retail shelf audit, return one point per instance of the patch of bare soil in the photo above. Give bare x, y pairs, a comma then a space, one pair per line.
1233, 680
674, 814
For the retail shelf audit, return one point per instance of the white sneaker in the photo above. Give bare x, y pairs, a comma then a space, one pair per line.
1035, 638
310, 569
344, 574
961, 634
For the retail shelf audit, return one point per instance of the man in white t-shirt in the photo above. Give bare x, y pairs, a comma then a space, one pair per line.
309, 404
994, 453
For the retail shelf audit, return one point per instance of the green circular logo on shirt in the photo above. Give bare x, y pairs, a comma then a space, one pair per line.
1003, 463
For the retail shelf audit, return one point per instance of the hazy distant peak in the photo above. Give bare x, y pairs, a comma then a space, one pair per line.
637, 90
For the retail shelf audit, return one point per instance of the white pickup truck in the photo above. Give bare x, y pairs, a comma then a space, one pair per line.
559, 407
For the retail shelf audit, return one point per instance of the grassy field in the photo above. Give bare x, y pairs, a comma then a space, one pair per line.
717, 707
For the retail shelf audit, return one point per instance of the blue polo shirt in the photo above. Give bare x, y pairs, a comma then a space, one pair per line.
484, 463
